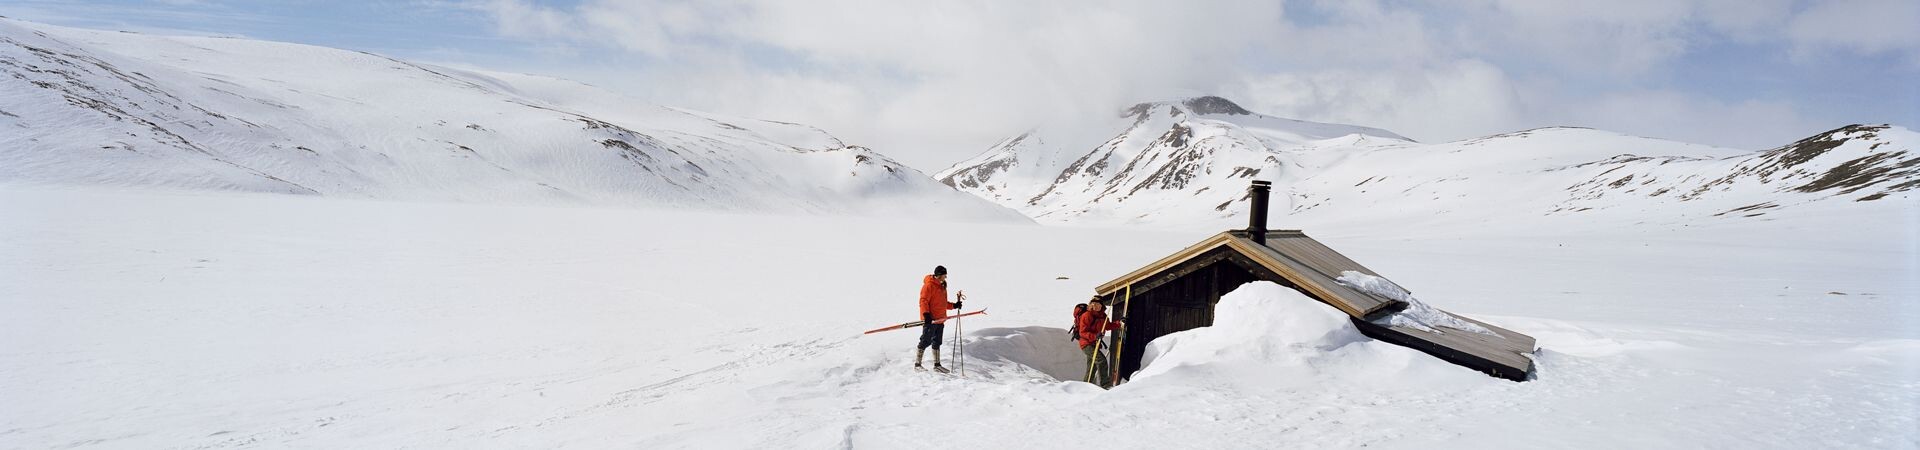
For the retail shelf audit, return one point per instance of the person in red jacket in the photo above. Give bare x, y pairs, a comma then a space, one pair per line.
1090, 325
933, 309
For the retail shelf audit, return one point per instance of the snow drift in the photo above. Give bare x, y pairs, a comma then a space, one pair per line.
1277, 338
1418, 314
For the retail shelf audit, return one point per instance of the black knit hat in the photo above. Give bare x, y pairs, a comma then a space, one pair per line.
939, 270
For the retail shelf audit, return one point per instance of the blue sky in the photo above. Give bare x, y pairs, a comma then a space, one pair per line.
395, 27
932, 83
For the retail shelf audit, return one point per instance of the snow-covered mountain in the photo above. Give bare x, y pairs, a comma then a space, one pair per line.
1164, 154
1188, 162
84, 107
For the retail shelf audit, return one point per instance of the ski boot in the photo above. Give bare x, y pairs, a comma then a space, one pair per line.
936, 361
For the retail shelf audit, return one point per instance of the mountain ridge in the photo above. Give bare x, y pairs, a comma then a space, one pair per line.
1170, 165
88, 107
1161, 147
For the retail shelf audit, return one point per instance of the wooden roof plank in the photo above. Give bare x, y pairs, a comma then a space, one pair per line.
1320, 284
1314, 253
1162, 264
1317, 278
1507, 347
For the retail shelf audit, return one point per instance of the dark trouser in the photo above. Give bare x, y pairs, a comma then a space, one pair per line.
1101, 371
930, 335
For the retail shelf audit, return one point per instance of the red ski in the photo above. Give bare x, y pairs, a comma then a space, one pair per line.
923, 322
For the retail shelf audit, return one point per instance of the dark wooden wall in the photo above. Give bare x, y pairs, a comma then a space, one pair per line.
1179, 299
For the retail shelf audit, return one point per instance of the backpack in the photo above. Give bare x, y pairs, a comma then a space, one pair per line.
1073, 332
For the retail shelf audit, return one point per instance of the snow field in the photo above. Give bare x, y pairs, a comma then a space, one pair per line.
167, 319
141, 320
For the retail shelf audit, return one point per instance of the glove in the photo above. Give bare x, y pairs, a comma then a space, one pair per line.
956, 305
926, 317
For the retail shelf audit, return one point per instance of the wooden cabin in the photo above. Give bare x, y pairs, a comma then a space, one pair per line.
1178, 293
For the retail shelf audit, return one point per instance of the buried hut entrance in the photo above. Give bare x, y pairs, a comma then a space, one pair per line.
1183, 301
1180, 292
1046, 350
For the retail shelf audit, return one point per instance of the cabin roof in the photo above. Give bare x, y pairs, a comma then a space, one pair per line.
1314, 269
1503, 355
1302, 260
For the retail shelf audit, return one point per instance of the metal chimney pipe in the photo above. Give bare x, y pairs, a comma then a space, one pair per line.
1257, 222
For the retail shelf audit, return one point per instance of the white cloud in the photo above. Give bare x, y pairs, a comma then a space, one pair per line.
928, 83
1860, 26
1449, 101
1752, 125
1747, 20
932, 83
1622, 37
1357, 33
1470, 98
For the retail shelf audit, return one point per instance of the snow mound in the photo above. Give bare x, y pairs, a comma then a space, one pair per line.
1274, 337
1417, 315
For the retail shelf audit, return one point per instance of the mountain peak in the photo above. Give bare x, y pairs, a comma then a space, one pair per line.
1202, 105
1214, 105
1861, 130
1188, 161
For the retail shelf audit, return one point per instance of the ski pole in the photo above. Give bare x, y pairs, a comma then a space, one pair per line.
955, 357
1121, 336
960, 341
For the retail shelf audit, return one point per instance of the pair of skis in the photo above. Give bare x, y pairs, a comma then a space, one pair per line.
917, 323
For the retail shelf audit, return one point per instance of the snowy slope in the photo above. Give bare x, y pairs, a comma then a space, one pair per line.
1164, 154
81, 107
1578, 178
300, 321
1184, 169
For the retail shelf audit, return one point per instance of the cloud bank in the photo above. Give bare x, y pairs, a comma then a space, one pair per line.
935, 82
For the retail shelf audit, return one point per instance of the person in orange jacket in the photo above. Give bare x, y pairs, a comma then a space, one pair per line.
933, 310
1090, 325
